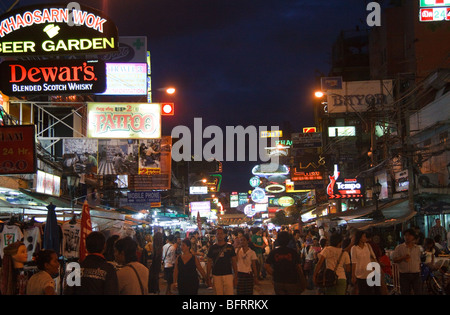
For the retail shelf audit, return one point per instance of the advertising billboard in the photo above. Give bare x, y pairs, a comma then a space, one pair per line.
203, 207
52, 77
124, 120
126, 79
18, 149
56, 29
358, 96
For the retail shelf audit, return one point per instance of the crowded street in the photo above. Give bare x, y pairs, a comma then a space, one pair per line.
222, 155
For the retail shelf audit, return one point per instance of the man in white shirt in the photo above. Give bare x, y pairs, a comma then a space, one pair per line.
407, 256
168, 260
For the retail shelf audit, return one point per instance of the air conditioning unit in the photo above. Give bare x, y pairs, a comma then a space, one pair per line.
429, 180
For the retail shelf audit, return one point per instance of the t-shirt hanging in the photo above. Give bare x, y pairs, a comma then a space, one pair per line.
9, 235
32, 240
71, 240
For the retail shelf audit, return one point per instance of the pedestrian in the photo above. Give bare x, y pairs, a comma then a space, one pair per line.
132, 276
222, 265
259, 248
187, 267
247, 272
330, 256
168, 260
309, 256
42, 282
283, 264
98, 277
14, 279
362, 255
407, 256
438, 229
156, 263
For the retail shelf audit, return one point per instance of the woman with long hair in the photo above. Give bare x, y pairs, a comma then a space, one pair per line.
13, 278
362, 255
155, 267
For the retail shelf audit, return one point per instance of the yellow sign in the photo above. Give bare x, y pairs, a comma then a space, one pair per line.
271, 134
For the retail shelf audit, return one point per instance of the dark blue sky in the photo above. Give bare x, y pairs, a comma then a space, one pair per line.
236, 62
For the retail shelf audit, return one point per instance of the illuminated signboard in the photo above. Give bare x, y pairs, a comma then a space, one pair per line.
309, 129
341, 131
272, 134
198, 190
434, 3
304, 176
126, 79
48, 184
434, 14
348, 188
203, 207
52, 77
18, 149
269, 169
56, 30
124, 120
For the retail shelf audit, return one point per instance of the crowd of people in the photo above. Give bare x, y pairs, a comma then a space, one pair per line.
231, 261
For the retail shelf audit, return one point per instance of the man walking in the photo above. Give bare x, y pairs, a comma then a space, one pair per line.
283, 263
407, 256
222, 264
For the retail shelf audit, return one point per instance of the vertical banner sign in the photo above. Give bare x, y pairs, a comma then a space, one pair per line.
56, 29
18, 149
199, 223
86, 229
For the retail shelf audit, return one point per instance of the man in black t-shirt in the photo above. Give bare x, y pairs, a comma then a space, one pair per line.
222, 263
283, 263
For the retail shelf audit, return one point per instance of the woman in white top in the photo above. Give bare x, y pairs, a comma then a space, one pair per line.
362, 255
247, 276
330, 256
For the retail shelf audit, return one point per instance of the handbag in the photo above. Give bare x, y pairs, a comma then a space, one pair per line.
326, 277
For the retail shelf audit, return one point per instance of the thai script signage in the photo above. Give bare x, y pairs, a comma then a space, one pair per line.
52, 77
56, 29
124, 120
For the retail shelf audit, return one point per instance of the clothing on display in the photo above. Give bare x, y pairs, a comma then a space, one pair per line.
71, 239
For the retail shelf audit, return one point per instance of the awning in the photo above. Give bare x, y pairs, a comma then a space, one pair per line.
395, 212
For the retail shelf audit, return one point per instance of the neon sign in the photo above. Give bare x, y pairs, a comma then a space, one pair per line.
124, 120
348, 188
56, 29
52, 77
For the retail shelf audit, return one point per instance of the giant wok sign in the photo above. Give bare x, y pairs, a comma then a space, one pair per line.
124, 120
56, 29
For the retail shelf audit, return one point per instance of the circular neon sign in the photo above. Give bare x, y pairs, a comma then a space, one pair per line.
286, 201
255, 181
275, 188
258, 195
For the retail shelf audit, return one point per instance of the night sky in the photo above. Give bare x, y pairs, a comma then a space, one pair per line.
236, 62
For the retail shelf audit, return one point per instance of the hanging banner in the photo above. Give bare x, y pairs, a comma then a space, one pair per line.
124, 120
117, 157
52, 77
86, 229
56, 29
18, 149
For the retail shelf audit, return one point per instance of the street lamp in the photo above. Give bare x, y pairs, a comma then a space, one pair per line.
376, 190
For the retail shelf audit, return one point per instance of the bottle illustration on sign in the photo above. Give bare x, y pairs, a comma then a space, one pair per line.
51, 30
333, 179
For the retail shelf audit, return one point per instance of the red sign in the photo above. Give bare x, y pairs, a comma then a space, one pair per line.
426, 14
309, 129
447, 15
53, 77
17, 149
86, 229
